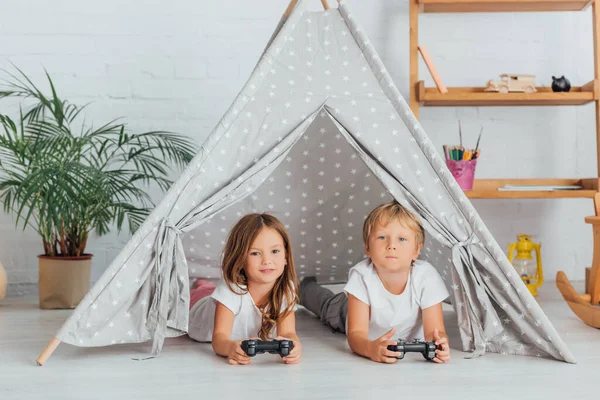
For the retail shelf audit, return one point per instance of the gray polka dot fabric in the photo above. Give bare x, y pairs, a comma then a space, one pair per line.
318, 136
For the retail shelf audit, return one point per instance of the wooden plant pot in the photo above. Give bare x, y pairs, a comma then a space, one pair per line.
63, 281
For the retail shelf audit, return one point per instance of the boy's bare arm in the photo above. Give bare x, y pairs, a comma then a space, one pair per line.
358, 326
434, 330
433, 318
358, 334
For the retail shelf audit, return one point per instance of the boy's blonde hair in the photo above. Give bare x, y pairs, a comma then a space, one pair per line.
393, 211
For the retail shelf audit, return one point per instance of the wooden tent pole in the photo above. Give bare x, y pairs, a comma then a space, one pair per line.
290, 8
293, 3
48, 351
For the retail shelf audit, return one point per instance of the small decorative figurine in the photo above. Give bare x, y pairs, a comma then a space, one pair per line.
561, 84
512, 83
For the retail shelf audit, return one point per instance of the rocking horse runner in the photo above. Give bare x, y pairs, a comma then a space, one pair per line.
585, 306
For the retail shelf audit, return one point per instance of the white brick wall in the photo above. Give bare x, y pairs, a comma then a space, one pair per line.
177, 66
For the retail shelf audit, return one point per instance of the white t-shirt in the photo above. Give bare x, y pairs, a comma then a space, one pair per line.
247, 317
424, 289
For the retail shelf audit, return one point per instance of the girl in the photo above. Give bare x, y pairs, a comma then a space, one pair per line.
257, 295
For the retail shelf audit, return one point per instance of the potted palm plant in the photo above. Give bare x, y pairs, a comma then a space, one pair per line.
67, 179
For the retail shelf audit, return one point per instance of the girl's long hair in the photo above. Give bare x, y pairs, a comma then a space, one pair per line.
235, 252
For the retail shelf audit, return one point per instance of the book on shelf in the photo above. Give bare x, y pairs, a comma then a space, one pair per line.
541, 188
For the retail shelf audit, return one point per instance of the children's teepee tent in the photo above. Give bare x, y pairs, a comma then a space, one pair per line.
318, 136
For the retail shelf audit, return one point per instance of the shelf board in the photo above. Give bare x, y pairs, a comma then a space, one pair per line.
476, 96
463, 6
488, 189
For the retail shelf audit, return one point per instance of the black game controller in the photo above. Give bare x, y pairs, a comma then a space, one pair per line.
416, 346
254, 347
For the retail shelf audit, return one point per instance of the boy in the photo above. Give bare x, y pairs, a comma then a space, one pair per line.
390, 294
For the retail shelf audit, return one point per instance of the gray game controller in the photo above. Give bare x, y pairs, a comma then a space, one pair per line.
254, 347
416, 346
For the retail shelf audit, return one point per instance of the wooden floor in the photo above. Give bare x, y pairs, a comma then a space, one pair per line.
329, 370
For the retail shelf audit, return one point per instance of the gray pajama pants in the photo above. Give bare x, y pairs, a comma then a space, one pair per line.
331, 308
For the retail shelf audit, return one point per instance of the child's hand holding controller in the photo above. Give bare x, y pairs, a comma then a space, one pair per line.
237, 355
378, 350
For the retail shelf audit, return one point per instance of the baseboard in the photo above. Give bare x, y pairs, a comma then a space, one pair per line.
26, 289
21, 289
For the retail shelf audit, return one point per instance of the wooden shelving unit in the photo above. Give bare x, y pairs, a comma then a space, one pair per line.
473, 96
463, 6
421, 96
488, 189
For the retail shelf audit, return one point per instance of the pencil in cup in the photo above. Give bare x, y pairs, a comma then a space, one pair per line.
459, 153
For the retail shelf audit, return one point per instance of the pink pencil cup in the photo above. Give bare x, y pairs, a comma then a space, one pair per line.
463, 171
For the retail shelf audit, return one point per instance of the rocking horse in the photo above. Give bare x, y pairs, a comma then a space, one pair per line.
585, 306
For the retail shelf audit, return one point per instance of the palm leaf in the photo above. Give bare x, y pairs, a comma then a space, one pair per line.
68, 183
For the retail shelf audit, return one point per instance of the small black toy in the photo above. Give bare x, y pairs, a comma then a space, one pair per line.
561, 84
254, 347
